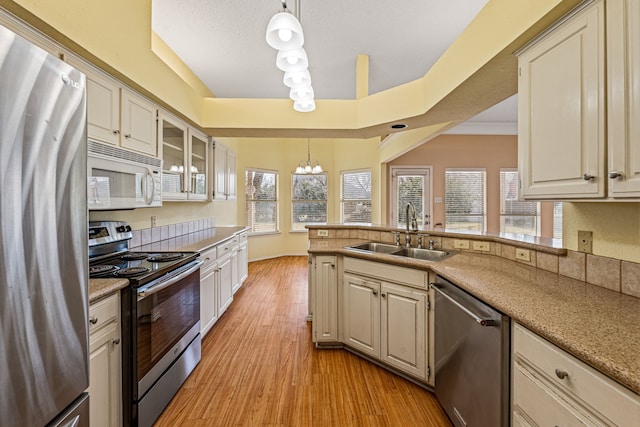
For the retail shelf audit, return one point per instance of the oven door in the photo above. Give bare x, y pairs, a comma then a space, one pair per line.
167, 321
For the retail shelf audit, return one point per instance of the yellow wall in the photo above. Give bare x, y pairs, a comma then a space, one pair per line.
615, 226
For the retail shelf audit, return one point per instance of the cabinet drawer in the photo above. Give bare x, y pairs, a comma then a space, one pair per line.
225, 248
103, 312
208, 258
582, 382
242, 238
407, 276
542, 405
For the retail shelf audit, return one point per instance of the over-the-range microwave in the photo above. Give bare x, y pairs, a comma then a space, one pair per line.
121, 179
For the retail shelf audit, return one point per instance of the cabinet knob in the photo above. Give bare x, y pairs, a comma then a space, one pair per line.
127, 135
116, 341
615, 174
561, 374
116, 132
588, 177
383, 295
374, 292
93, 320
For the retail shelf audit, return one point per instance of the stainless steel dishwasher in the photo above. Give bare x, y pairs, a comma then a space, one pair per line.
471, 358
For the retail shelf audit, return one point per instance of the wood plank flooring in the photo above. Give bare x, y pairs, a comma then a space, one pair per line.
260, 368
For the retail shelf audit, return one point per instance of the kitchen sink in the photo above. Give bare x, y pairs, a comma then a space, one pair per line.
426, 254
385, 248
417, 253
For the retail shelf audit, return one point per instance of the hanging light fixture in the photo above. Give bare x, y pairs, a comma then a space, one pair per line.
284, 33
310, 166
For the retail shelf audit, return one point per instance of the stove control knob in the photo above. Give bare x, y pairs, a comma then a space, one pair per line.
128, 228
121, 229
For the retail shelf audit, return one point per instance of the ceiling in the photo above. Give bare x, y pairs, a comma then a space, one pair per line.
223, 43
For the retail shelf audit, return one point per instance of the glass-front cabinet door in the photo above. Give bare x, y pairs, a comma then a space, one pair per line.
199, 155
175, 162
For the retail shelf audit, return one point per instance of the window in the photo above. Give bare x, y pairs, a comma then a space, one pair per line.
308, 200
262, 201
557, 220
465, 199
516, 216
355, 197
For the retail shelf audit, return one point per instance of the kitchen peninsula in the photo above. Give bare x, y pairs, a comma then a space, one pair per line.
583, 319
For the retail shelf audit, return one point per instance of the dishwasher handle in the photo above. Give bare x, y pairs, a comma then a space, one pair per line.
482, 321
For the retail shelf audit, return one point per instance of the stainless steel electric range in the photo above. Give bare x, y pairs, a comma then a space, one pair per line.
160, 318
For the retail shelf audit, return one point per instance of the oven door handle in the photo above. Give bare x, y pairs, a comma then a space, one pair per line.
143, 293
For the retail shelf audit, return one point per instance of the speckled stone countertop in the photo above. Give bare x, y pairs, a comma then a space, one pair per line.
598, 326
199, 241
100, 288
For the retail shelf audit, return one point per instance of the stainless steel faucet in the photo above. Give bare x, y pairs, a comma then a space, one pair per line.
414, 220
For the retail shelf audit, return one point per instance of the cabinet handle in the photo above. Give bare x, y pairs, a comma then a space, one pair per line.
116, 341
383, 295
127, 135
93, 320
561, 374
588, 177
615, 174
116, 132
375, 292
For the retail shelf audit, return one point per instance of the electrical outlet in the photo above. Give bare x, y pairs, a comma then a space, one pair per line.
153, 221
460, 244
323, 233
322, 244
523, 254
585, 241
481, 246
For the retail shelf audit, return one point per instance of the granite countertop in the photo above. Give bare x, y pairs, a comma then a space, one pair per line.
100, 288
596, 325
198, 241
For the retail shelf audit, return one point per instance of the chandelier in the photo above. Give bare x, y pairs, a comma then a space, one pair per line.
310, 166
284, 33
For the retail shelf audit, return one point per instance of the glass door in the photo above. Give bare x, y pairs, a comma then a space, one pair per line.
198, 167
173, 137
410, 185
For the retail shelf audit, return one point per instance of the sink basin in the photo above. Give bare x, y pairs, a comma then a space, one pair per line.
385, 248
426, 254
417, 253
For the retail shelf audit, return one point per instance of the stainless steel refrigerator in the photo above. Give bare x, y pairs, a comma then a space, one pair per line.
44, 364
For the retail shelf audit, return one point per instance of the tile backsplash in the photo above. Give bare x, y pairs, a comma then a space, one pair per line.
147, 236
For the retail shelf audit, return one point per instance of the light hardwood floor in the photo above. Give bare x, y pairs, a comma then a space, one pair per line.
260, 368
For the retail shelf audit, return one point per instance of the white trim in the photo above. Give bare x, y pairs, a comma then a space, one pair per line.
484, 128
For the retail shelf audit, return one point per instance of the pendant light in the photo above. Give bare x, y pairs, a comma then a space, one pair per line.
310, 166
284, 33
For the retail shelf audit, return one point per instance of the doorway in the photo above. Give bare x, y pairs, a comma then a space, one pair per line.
410, 184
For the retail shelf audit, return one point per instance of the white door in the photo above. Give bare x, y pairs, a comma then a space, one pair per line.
411, 185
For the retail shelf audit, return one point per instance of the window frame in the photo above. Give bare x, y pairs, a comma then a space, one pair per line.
294, 201
276, 201
343, 200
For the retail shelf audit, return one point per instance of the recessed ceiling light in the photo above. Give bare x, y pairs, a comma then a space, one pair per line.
399, 126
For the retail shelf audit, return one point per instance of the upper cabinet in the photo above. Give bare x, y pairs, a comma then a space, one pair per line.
561, 109
117, 115
623, 72
578, 94
224, 172
185, 160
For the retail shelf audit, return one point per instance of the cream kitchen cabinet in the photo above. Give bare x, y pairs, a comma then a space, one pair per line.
185, 155
562, 107
242, 261
208, 294
579, 106
324, 287
224, 275
623, 85
105, 386
385, 314
224, 172
551, 387
116, 114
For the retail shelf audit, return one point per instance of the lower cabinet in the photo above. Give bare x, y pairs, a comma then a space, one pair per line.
224, 283
105, 383
551, 387
324, 288
384, 320
208, 299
